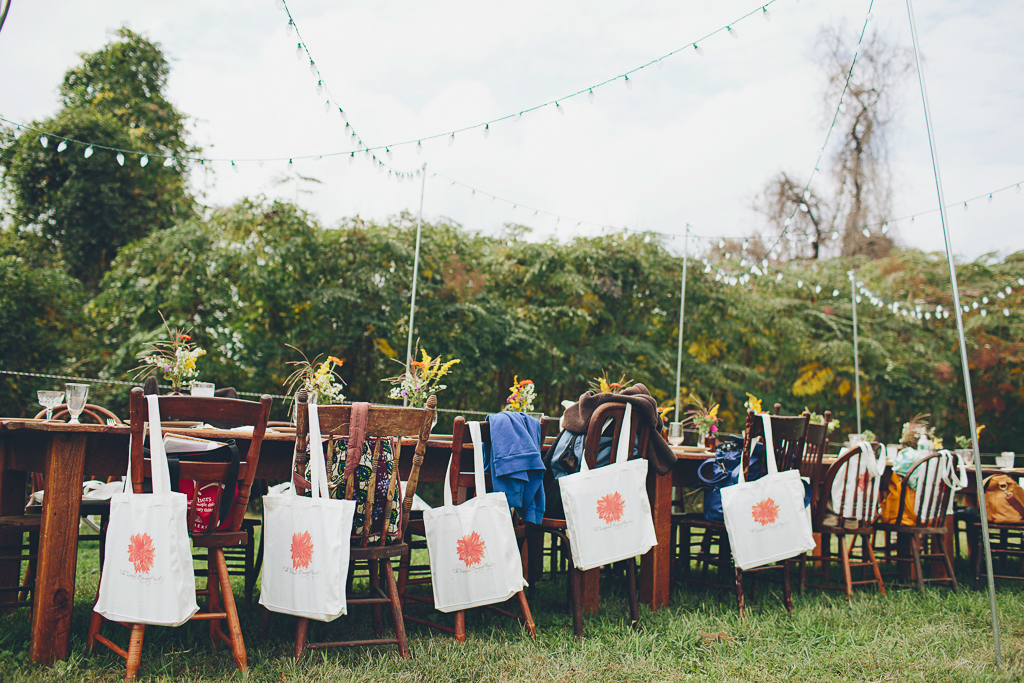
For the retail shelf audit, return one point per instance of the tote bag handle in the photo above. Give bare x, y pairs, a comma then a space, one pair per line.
624, 447
769, 449
318, 475
478, 466
161, 475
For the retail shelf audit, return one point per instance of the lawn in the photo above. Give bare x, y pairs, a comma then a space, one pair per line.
904, 636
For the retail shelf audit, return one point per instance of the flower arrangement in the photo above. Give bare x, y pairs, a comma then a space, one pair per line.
523, 393
817, 419
601, 385
964, 442
420, 379
700, 417
175, 357
321, 381
753, 403
916, 428
868, 435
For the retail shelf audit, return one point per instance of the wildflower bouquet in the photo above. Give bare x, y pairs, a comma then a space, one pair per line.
175, 357
321, 381
700, 417
817, 419
916, 428
523, 393
753, 403
420, 379
601, 385
964, 442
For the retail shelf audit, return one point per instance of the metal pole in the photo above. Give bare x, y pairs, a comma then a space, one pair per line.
856, 354
963, 346
682, 309
415, 277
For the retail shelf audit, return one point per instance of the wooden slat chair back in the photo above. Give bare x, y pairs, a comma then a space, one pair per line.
860, 497
789, 435
814, 454
583, 587
463, 488
382, 422
221, 603
930, 505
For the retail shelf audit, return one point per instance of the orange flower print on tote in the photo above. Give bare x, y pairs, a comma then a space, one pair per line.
610, 507
471, 549
141, 553
302, 550
765, 512
862, 482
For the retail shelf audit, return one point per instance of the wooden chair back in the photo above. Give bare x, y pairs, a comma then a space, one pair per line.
931, 498
462, 468
814, 453
382, 422
178, 408
638, 433
789, 436
860, 493
98, 414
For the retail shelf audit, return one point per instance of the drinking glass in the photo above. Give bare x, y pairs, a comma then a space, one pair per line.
50, 400
675, 433
203, 389
77, 393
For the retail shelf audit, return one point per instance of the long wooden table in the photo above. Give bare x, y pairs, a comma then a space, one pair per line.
68, 454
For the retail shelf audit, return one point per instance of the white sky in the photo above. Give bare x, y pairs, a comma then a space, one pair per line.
691, 142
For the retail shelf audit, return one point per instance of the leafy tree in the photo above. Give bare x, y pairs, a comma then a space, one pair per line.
85, 209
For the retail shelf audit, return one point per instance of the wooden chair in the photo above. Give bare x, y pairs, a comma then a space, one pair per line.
789, 437
221, 601
930, 504
861, 498
462, 481
1006, 542
383, 422
638, 433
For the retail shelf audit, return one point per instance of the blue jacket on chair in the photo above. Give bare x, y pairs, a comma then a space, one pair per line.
514, 461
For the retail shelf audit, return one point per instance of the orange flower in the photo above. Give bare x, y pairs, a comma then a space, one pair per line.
765, 512
184, 337
471, 549
337, 361
525, 382
615, 385
610, 507
302, 550
141, 553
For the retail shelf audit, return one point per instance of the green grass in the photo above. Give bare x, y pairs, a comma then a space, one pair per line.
905, 636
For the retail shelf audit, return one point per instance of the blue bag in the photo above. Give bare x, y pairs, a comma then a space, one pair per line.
724, 470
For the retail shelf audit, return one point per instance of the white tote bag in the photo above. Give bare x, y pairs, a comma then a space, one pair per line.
766, 519
865, 480
950, 468
474, 557
147, 571
306, 544
607, 512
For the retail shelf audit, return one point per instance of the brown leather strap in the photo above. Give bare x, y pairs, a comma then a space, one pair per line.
1014, 503
356, 437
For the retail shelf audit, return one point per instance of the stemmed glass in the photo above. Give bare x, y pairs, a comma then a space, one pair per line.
50, 400
77, 393
675, 433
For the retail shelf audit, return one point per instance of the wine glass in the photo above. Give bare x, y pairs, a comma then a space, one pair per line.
77, 393
675, 433
50, 400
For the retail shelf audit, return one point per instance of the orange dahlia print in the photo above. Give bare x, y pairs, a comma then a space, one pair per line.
610, 507
862, 482
141, 553
302, 550
765, 512
471, 549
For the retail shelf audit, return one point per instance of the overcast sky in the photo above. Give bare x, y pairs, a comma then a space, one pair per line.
690, 142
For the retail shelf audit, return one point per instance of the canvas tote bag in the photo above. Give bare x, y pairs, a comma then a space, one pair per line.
766, 519
474, 557
306, 548
865, 480
147, 572
607, 512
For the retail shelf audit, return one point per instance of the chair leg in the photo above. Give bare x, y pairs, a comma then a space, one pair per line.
844, 554
915, 549
135, 651
524, 608
787, 592
576, 599
264, 622
213, 598
234, 627
460, 626
374, 567
250, 564
949, 564
803, 573
739, 593
977, 561
301, 631
634, 608
869, 548
396, 609
535, 555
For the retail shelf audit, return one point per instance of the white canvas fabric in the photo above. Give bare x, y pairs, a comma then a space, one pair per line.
607, 512
766, 519
474, 557
865, 479
147, 572
951, 469
306, 544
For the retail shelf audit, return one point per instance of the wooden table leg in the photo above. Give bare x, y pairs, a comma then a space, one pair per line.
58, 548
656, 565
12, 502
591, 580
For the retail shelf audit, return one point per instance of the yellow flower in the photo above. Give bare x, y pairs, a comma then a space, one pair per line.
754, 403
980, 428
605, 388
714, 411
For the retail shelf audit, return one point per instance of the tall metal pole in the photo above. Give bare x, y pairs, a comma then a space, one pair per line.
963, 345
415, 277
856, 353
682, 309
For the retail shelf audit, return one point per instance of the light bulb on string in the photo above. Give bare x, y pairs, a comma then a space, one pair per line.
817, 289
885, 227
487, 130
344, 117
732, 31
1000, 295
661, 65
766, 14
721, 244
974, 305
990, 199
803, 207
629, 83
290, 164
1020, 281
590, 95
778, 277
698, 49
835, 293
312, 67
1006, 311
1018, 188
351, 157
88, 151
559, 109
319, 87
144, 161
984, 299
298, 51
835, 235
62, 146
234, 167
842, 107
451, 139
419, 147
983, 312
43, 140
290, 28
259, 163
279, 4
387, 150
965, 206
799, 284
867, 233
327, 107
